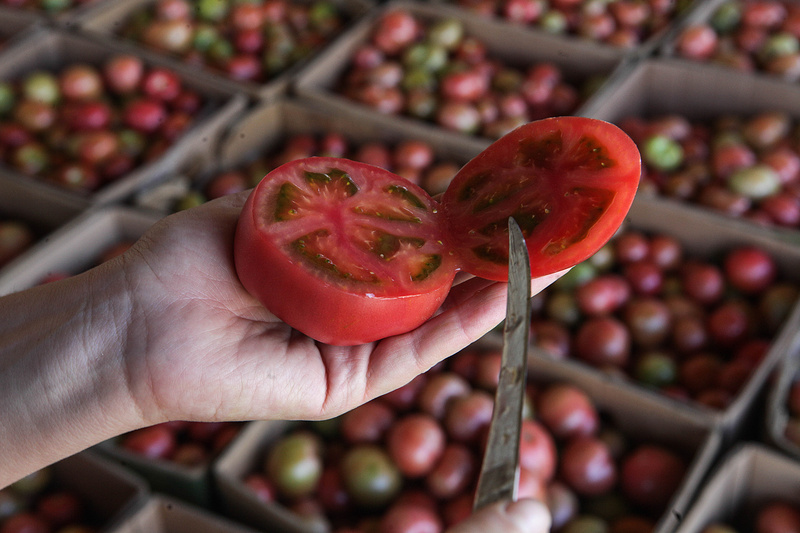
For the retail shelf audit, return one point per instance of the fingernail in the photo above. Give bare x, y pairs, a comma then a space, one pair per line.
529, 515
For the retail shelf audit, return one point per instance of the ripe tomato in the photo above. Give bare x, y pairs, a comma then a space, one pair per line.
348, 253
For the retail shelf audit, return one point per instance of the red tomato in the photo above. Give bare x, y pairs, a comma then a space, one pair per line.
415, 443
568, 181
347, 253
651, 475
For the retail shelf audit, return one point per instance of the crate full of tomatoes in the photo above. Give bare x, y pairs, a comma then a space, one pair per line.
253, 47
598, 456
89, 122
277, 132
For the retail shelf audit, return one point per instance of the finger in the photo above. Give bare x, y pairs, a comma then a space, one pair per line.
523, 516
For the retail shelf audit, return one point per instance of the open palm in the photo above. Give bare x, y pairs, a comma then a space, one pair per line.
204, 349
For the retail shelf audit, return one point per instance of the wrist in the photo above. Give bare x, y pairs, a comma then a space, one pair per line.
64, 379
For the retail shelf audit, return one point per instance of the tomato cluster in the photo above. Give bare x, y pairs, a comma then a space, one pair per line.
38, 504
742, 166
770, 517
52, 7
688, 327
412, 159
187, 444
411, 458
436, 72
86, 125
15, 237
246, 41
752, 36
620, 23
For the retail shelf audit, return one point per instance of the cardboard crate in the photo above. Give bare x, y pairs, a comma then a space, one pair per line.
14, 23
106, 19
641, 418
513, 46
265, 128
702, 14
670, 86
192, 484
777, 412
646, 48
109, 492
53, 49
75, 246
750, 476
162, 514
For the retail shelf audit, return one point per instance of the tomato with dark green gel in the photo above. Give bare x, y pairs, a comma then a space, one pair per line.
348, 253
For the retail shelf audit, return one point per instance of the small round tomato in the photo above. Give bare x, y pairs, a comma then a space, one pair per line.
415, 443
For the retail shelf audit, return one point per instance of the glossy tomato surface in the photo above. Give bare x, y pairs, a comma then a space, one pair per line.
349, 253
345, 252
567, 181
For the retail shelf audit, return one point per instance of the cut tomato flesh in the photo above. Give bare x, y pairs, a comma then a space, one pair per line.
558, 181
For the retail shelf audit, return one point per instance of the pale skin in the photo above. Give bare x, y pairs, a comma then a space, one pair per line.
167, 332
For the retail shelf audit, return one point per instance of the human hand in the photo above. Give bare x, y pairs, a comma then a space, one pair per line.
200, 347
523, 516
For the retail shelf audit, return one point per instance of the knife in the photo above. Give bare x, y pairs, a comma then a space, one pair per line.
500, 470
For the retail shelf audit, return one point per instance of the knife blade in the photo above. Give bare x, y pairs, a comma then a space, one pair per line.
500, 469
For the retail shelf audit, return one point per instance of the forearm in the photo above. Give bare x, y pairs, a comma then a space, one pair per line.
63, 386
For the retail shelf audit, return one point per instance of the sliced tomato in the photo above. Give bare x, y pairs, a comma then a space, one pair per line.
350, 253
343, 251
567, 181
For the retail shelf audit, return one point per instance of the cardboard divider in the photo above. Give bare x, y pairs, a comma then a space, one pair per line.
53, 49
14, 23
642, 419
111, 493
750, 476
515, 46
777, 412
162, 514
106, 19
75, 246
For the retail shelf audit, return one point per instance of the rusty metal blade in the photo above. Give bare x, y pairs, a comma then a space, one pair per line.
500, 469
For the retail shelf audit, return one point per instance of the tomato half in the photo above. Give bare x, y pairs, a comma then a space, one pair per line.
345, 252
567, 181
349, 253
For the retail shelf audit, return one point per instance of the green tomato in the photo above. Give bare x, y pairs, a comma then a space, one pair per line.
756, 182
7, 98
294, 464
212, 10
370, 476
446, 33
662, 153
656, 369
577, 276
726, 17
42, 87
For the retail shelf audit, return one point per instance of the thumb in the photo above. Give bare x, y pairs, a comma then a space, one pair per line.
523, 516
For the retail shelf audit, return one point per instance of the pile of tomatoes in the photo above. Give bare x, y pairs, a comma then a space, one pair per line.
771, 517
412, 457
38, 504
246, 41
750, 36
742, 166
188, 444
435, 71
620, 23
414, 160
692, 328
87, 125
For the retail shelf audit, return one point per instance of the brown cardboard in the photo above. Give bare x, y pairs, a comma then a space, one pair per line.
513, 45
109, 491
777, 412
748, 477
162, 514
13, 23
75, 246
263, 129
106, 18
640, 417
52, 49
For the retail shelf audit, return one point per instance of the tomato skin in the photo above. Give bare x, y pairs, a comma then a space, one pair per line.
568, 181
331, 313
